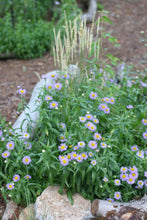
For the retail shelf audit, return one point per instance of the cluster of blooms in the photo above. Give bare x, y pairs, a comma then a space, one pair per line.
130, 175
104, 107
10, 146
50, 86
144, 121
140, 153
89, 124
57, 86
16, 178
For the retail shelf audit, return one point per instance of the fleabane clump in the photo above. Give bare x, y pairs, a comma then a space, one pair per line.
90, 137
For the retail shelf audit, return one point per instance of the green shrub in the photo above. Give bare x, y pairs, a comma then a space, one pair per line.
29, 36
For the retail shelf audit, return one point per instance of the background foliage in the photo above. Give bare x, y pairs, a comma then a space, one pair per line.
26, 27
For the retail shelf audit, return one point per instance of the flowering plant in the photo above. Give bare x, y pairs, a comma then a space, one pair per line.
91, 138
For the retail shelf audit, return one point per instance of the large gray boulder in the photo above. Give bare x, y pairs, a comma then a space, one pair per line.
51, 205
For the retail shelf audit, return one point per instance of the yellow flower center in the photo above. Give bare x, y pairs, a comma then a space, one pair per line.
64, 161
97, 136
53, 104
5, 154
10, 145
10, 186
26, 160
62, 147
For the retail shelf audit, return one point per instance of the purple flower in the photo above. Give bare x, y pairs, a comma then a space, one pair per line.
26, 135
112, 101
133, 169
144, 121
22, 91
49, 86
97, 136
10, 186
81, 144
44, 76
63, 125
53, 76
130, 180
64, 161
93, 95
5, 154
117, 195
140, 183
134, 148
74, 155
26, 160
134, 175
92, 144
145, 135
92, 127
89, 117
106, 99
62, 138
82, 119
62, 147
84, 155
48, 98
117, 182
145, 173
66, 76
96, 121
107, 110
1, 133
129, 106
143, 84
58, 86
123, 169
28, 177
79, 158
102, 107
10, 145
105, 179
90, 154
93, 162
16, 177
145, 182
123, 176
110, 200
53, 104
103, 145
140, 154
76, 147
28, 145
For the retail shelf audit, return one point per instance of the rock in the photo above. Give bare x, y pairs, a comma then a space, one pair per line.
51, 205
10, 210
27, 213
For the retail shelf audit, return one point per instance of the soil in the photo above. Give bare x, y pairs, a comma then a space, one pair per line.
129, 20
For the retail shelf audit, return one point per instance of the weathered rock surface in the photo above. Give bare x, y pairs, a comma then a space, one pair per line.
28, 213
51, 205
10, 210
